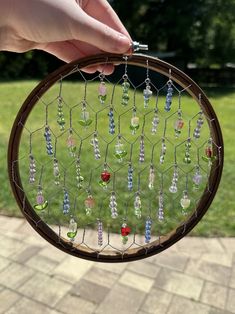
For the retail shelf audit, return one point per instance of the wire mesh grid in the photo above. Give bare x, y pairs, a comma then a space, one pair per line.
115, 166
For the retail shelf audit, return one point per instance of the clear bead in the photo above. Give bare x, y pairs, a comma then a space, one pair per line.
151, 178
100, 232
56, 172
119, 151
72, 232
185, 201
142, 152
32, 169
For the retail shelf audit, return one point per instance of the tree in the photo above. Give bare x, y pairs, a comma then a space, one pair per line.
200, 31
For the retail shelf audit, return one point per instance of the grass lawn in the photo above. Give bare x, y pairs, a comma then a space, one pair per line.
219, 221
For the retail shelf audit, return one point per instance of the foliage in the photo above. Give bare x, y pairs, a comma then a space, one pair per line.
32, 64
199, 31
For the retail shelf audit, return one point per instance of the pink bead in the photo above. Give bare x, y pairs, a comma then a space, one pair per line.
102, 89
40, 199
70, 142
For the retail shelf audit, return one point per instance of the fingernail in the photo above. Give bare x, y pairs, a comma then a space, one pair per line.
123, 43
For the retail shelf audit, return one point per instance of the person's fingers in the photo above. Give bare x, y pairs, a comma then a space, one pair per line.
106, 69
92, 31
103, 12
68, 51
65, 50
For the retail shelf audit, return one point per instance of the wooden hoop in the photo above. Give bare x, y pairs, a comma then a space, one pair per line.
149, 249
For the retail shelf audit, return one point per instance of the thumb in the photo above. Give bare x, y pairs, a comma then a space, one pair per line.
97, 34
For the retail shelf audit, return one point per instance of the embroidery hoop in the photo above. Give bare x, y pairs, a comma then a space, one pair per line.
148, 249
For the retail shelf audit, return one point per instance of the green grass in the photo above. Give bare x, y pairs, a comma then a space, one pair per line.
219, 221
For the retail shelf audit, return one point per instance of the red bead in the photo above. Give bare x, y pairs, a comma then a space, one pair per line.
209, 152
179, 124
125, 231
105, 176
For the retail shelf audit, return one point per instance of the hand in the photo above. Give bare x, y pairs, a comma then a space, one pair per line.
68, 29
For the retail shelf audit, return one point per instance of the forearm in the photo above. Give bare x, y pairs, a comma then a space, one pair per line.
5, 22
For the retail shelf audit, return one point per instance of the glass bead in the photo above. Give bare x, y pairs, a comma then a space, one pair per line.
125, 96
197, 179
147, 93
148, 225
72, 232
79, 177
60, 114
105, 176
111, 122
47, 135
197, 130
89, 202
137, 206
100, 232
173, 188
66, 203
56, 172
71, 144
155, 123
151, 178
185, 201
120, 151
163, 152
209, 155
134, 124
169, 96
32, 169
95, 143
85, 118
40, 199
124, 240
125, 230
41, 203
161, 207
113, 206
141, 152
102, 92
130, 178
187, 158
178, 127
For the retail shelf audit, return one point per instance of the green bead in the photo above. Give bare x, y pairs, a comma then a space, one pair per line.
120, 155
72, 149
125, 96
71, 234
125, 85
85, 122
134, 128
80, 178
102, 98
187, 160
207, 159
41, 206
61, 120
124, 240
103, 184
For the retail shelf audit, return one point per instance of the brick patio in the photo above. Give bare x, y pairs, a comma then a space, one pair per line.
197, 275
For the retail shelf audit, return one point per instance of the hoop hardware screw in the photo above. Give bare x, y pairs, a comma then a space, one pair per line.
136, 46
